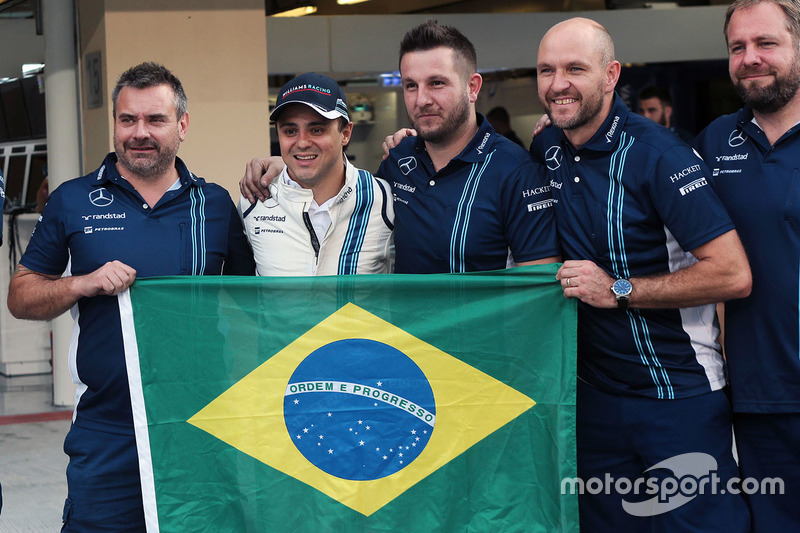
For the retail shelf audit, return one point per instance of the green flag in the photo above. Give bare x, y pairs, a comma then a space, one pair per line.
380, 403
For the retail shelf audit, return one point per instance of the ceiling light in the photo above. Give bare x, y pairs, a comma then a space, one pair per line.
297, 12
348, 2
290, 8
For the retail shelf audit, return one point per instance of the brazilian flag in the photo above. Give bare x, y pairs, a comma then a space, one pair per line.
379, 403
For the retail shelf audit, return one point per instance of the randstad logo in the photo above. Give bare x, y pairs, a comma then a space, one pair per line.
690, 475
404, 187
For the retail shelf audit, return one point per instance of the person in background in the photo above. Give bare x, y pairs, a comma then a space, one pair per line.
324, 216
141, 214
655, 103
755, 160
500, 120
648, 250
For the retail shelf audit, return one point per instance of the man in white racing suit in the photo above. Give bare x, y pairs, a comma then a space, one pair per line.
324, 216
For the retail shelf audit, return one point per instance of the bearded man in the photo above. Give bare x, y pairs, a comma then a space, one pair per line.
141, 214
755, 159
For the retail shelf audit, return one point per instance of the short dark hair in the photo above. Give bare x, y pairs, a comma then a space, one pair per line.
654, 91
151, 74
431, 34
498, 113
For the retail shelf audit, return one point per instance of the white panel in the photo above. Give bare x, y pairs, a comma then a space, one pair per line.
19, 44
297, 45
370, 43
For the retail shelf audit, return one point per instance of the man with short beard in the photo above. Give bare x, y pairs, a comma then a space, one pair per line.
141, 214
648, 249
755, 157
466, 198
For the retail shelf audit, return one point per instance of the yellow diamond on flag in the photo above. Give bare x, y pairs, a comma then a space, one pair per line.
410, 428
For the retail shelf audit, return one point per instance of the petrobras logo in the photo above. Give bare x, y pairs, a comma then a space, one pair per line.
719, 172
683, 173
398, 199
101, 197
407, 164
404, 187
90, 229
611, 130
734, 157
736, 138
538, 206
553, 157
258, 230
696, 184
269, 218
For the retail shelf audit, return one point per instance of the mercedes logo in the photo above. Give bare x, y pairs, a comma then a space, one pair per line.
407, 164
736, 138
553, 157
101, 197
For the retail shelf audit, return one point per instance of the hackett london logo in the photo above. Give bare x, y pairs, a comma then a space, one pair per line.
359, 409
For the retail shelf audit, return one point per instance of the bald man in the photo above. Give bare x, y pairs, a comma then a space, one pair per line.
649, 249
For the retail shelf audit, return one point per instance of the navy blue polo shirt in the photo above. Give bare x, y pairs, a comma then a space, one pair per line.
634, 200
759, 184
88, 221
488, 200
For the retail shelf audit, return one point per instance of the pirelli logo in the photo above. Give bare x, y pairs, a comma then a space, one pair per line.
538, 206
689, 187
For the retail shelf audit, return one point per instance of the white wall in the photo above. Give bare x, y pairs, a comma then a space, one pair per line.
370, 43
19, 44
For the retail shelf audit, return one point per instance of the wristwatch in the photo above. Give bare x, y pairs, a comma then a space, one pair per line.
622, 289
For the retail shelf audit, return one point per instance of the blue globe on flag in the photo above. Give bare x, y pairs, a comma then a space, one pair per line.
359, 409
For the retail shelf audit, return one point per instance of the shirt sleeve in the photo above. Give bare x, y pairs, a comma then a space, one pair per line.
48, 249
529, 214
239, 261
687, 204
